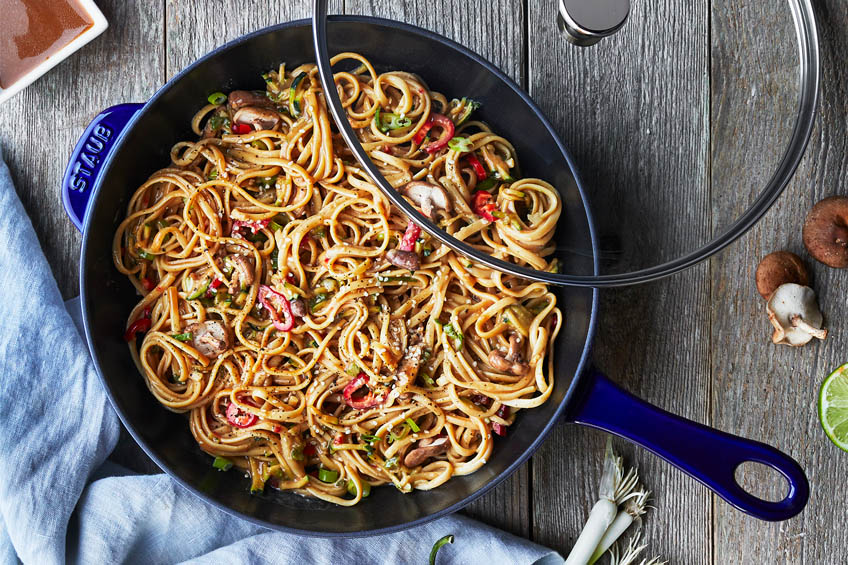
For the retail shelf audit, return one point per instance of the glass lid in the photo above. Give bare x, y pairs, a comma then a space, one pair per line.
654, 144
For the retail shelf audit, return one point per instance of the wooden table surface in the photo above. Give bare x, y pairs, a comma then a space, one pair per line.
683, 112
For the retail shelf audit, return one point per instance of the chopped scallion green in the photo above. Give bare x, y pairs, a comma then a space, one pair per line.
328, 475
183, 337
460, 144
222, 463
412, 425
217, 98
351, 488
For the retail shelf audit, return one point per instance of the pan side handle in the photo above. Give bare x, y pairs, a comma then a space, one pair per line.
91, 151
706, 454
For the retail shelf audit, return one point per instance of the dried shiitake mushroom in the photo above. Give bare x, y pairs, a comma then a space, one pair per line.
826, 232
779, 268
795, 315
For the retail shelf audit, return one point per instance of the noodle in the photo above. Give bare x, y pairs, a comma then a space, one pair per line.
317, 339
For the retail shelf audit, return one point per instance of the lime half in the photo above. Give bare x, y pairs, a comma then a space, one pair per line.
833, 406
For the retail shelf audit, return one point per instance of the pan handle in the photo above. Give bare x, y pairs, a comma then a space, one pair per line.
91, 151
707, 455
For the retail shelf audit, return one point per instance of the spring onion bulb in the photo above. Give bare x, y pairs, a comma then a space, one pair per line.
631, 553
635, 505
604, 511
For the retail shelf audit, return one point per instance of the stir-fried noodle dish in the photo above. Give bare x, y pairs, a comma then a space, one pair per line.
318, 340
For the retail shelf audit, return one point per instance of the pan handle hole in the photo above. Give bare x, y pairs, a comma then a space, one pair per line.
761, 481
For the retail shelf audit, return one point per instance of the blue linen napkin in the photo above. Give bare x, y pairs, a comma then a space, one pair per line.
59, 501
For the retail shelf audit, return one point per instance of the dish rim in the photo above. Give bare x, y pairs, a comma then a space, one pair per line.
556, 418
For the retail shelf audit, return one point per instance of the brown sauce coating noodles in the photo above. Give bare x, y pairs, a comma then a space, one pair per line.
278, 309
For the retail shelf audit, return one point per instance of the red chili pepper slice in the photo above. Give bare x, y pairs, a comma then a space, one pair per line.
478, 167
422, 133
309, 450
277, 304
448, 129
481, 203
410, 236
141, 325
369, 400
216, 283
147, 284
252, 226
240, 418
241, 129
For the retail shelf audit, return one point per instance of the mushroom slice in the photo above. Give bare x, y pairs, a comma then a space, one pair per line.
795, 315
211, 337
238, 99
779, 268
259, 118
403, 259
826, 232
425, 449
427, 196
512, 363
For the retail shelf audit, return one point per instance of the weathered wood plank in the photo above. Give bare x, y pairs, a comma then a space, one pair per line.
482, 29
633, 111
761, 390
195, 28
43, 122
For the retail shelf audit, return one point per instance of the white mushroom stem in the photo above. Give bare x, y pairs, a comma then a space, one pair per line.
798, 322
796, 317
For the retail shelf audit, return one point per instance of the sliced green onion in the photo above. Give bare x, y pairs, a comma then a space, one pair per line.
213, 174
294, 99
460, 144
145, 255
388, 121
222, 463
217, 98
428, 380
275, 226
215, 122
437, 546
183, 337
319, 232
351, 488
456, 335
486, 183
470, 107
412, 425
201, 290
317, 300
391, 463
297, 453
352, 370
328, 475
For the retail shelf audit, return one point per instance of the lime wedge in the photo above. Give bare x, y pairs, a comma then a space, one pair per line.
833, 406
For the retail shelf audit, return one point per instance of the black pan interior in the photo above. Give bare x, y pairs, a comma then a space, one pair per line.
108, 297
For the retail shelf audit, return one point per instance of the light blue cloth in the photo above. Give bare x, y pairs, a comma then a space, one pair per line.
60, 503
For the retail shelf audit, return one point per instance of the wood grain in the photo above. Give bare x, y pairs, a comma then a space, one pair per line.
760, 390
633, 111
43, 122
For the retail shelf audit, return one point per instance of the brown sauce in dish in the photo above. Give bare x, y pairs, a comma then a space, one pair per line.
33, 31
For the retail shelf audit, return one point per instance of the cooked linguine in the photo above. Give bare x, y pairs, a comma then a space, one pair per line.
316, 338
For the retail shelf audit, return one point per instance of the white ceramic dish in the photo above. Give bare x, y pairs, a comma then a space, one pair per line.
98, 26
